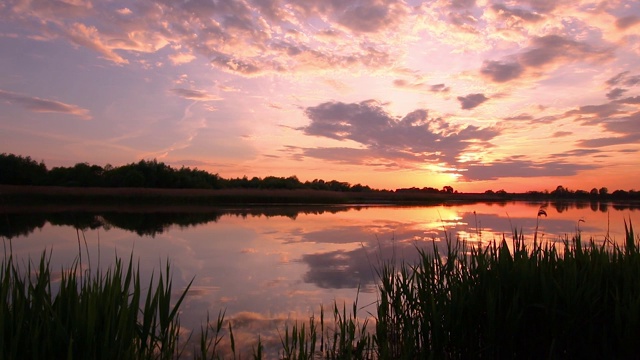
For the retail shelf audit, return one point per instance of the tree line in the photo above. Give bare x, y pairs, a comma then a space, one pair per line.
562, 192
20, 170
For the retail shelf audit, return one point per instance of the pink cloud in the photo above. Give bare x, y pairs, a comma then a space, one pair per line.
43, 105
543, 53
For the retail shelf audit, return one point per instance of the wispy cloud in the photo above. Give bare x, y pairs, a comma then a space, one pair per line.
558, 134
197, 95
89, 36
544, 53
402, 83
521, 168
626, 130
37, 104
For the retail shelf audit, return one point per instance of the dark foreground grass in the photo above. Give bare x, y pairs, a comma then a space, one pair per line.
103, 316
507, 300
518, 303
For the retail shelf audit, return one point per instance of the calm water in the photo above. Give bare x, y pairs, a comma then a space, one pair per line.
271, 265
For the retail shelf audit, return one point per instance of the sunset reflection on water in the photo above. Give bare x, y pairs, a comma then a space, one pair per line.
267, 270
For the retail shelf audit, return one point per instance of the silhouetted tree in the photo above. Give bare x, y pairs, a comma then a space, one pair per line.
559, 191
620, 194
335, 185
18, 170
581, 194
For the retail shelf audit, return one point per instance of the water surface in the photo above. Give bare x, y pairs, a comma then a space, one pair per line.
266, 266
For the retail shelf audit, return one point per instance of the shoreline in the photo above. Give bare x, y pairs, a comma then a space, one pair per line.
25, 196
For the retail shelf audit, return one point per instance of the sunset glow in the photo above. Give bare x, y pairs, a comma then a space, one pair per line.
476, 94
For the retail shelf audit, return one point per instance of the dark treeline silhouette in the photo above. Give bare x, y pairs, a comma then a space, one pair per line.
594, 194
19, 170
147, 223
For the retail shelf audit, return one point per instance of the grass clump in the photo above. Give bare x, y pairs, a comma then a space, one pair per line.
521, 302
103, 316
347, 338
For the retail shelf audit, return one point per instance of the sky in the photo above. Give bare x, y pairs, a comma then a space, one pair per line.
475, 94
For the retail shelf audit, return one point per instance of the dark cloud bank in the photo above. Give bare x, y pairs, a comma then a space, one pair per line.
416, 140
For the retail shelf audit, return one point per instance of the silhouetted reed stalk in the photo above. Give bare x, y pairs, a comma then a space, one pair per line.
541, 212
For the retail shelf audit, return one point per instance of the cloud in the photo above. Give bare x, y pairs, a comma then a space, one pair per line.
610, 141
345, 155
515, 15
627, 128
370, 16
627, 21
543, 52
541, 6
617, 79
501, 71
439, 88
630, 100
632, 80
43, 105
55, 9
462, 4
401, 83
575, 153
366, 16
89, 37
522, 168
245, 67
197, 95
549, 48
181, 58
594, 113
558, 134
471, 101
615, 93
625, 125
247, 38
124, 11
520, 117
414, 139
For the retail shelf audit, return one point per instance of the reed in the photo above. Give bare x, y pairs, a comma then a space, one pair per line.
346, 337
519, 302
99, 316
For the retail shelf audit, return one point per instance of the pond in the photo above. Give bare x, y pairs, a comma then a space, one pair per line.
267, 266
